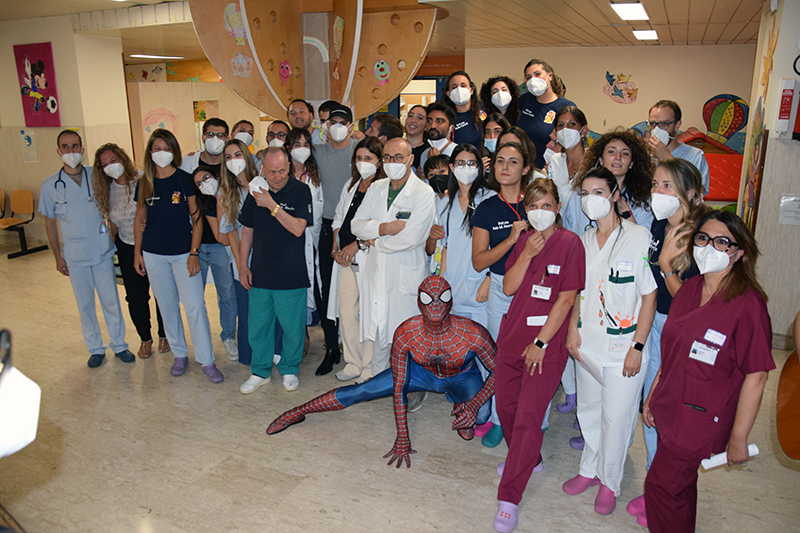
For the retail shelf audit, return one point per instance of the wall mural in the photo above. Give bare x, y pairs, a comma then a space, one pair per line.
620, 88
37, 81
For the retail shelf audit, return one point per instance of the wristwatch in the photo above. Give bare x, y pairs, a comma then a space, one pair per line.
668, 274
362, 245
638, 346
539, 344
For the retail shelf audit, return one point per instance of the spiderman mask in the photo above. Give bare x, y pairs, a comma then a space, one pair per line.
435, 300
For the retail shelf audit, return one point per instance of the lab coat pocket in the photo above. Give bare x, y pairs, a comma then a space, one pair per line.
619, 301
410, 278
75, 251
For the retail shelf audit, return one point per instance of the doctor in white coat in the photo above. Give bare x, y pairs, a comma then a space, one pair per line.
395, 219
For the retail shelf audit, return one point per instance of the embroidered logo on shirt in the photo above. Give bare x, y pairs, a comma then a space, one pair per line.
176, 197
550, 117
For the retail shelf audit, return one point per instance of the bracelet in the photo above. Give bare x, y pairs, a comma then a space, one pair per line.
194, 255
668, 274
275, 211
195, 250
335, 252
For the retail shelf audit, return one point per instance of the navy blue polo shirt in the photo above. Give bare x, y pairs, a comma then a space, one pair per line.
537, 120
465, 130
496, 217
169, 225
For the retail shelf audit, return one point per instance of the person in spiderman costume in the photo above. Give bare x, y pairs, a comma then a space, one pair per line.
434, 351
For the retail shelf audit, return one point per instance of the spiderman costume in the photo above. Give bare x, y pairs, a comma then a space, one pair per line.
434, 351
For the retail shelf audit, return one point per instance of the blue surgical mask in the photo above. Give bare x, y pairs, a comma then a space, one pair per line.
490, 144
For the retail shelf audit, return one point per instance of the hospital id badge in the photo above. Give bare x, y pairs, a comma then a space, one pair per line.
618, 345
703, 353
541, 292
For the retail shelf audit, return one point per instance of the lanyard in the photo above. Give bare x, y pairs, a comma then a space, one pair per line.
521, 196
64, 185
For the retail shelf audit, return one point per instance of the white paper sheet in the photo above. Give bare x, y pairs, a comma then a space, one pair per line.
722, 458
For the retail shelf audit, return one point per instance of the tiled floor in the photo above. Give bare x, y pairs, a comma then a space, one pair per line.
128, 447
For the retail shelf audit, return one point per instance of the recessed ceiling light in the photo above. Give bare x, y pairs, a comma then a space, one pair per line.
645, 35
630, 11
145, 56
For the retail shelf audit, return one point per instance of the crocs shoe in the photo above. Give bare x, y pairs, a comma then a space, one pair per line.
253, 383
493, 437
95, 360
212, 373
642, 519
579, 484
570, 404
606, 501
636, 506
126, 356
505, 521
179, 366
483, 429
576, 442
576, 424
290, 382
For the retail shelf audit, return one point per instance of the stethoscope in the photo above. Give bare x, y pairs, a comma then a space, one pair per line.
64, 185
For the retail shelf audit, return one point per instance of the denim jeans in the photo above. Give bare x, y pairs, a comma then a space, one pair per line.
654, 340
216, 257
172, 285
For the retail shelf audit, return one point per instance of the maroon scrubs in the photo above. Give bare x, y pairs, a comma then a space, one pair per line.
694, 404
522, 399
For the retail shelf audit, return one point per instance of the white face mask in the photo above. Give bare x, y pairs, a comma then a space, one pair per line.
709, 259
211, 186
245, 137
366, 169
466, 175
72, 160
114, 170
596, 207
536, 86
258, 184
236, 166
661, 135
214, 145
439, 144
568, 138
501, 99
541, 219
162, 158
19, 411
460, 95
301, 154
276, 143
663, 205
395, 171
548, 154
338, 132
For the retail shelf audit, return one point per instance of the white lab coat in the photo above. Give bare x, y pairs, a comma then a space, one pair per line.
312, 243
394, 268
341, 211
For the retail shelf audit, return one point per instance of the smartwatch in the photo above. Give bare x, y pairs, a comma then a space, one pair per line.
638, 346
539, 344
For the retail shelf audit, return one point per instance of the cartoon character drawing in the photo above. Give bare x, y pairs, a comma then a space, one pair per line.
35, 82
232, 18
285, 70
382, 71
620, 89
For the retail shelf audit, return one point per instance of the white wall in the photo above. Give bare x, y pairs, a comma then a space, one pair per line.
690, 75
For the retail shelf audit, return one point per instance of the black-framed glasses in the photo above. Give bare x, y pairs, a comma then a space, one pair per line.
272, 135
663, 124
5, 352
396, 158
217, 134
721, 243
462, 163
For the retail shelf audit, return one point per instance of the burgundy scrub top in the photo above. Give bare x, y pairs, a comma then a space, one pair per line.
694, 404
561, 266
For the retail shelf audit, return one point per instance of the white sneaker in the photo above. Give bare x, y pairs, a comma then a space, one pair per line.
341, 375
276, 358
290, 382
252, 384
231, 349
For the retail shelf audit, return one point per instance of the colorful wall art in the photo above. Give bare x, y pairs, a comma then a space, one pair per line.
37, 82
620, 88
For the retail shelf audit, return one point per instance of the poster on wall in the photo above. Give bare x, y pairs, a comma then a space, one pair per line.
37, 82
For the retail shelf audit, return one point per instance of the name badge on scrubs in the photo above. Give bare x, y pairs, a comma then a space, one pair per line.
624, 266
541, 292
537, 320
618, 345
715, 336
554, 269
703, 353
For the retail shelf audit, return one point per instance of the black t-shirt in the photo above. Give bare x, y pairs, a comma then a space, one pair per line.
279, 258
169, 225
209, 210
496, 217
345, 235
663, 297
537, 121
465, 130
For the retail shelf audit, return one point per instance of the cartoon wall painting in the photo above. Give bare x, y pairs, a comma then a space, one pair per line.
241, 65
724, 116
619, 88
232, 18
771, 43
159, 118
382, 71
147, 72
285, 71
754, 171
338, 34
37, 81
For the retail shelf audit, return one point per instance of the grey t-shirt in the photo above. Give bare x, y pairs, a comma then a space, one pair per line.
334, 172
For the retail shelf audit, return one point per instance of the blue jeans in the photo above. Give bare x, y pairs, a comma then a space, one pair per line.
172, 285
654, 342
216, 257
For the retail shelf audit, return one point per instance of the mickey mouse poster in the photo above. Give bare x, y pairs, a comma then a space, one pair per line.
37, 81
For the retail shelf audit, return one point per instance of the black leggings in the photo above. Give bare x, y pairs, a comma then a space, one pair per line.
137, 293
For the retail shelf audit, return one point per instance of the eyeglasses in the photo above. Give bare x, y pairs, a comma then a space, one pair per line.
205, 178
396, 158
280, 135
218, 135
664, 124
462, 163
721, 243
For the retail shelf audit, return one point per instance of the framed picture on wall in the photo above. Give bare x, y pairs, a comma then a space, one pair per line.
37, 82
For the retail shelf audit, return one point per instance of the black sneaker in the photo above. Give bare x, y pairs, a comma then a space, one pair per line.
96, 359
125, 356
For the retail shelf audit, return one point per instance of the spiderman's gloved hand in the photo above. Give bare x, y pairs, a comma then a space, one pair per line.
400, 452
466, 414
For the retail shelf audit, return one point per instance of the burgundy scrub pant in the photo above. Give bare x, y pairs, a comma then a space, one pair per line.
670, 491
522, 401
